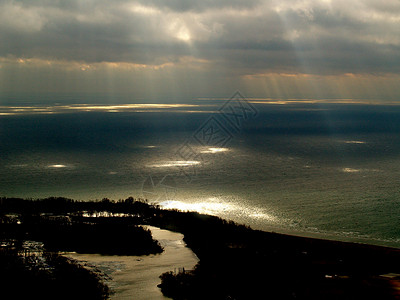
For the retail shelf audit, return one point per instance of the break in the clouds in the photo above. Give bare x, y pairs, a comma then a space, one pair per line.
249, 36
240, 38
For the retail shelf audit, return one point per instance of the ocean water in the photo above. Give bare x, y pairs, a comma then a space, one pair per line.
313, 169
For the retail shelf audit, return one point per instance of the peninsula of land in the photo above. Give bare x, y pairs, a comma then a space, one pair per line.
236, 262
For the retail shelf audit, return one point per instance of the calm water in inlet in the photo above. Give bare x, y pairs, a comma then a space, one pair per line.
137, 277
312, 169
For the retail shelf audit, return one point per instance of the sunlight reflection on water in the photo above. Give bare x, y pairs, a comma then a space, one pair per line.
178, 163
57, 166
215, 206
214, 150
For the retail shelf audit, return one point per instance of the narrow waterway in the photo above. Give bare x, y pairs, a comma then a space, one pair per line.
136, 277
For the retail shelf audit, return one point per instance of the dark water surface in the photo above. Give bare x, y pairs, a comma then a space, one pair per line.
329, 169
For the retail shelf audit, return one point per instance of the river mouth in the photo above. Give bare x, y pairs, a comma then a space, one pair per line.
137, 277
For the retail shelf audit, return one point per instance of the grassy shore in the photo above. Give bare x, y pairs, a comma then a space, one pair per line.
236, 262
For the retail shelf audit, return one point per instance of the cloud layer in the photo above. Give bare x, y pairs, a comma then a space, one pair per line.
245, 37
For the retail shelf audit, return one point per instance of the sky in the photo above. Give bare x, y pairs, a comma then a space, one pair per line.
185, 49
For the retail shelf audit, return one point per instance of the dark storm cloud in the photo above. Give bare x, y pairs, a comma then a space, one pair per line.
246, 37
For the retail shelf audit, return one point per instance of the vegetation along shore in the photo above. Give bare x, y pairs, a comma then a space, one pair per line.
236, 262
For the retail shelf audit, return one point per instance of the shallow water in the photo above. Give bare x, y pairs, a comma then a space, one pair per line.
137, 277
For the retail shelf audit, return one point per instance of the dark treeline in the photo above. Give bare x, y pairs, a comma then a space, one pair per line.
46, 275
237, 262
68, 225
107, 236
62, 206
61, 224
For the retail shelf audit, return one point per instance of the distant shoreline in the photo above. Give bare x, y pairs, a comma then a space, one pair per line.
329, 236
